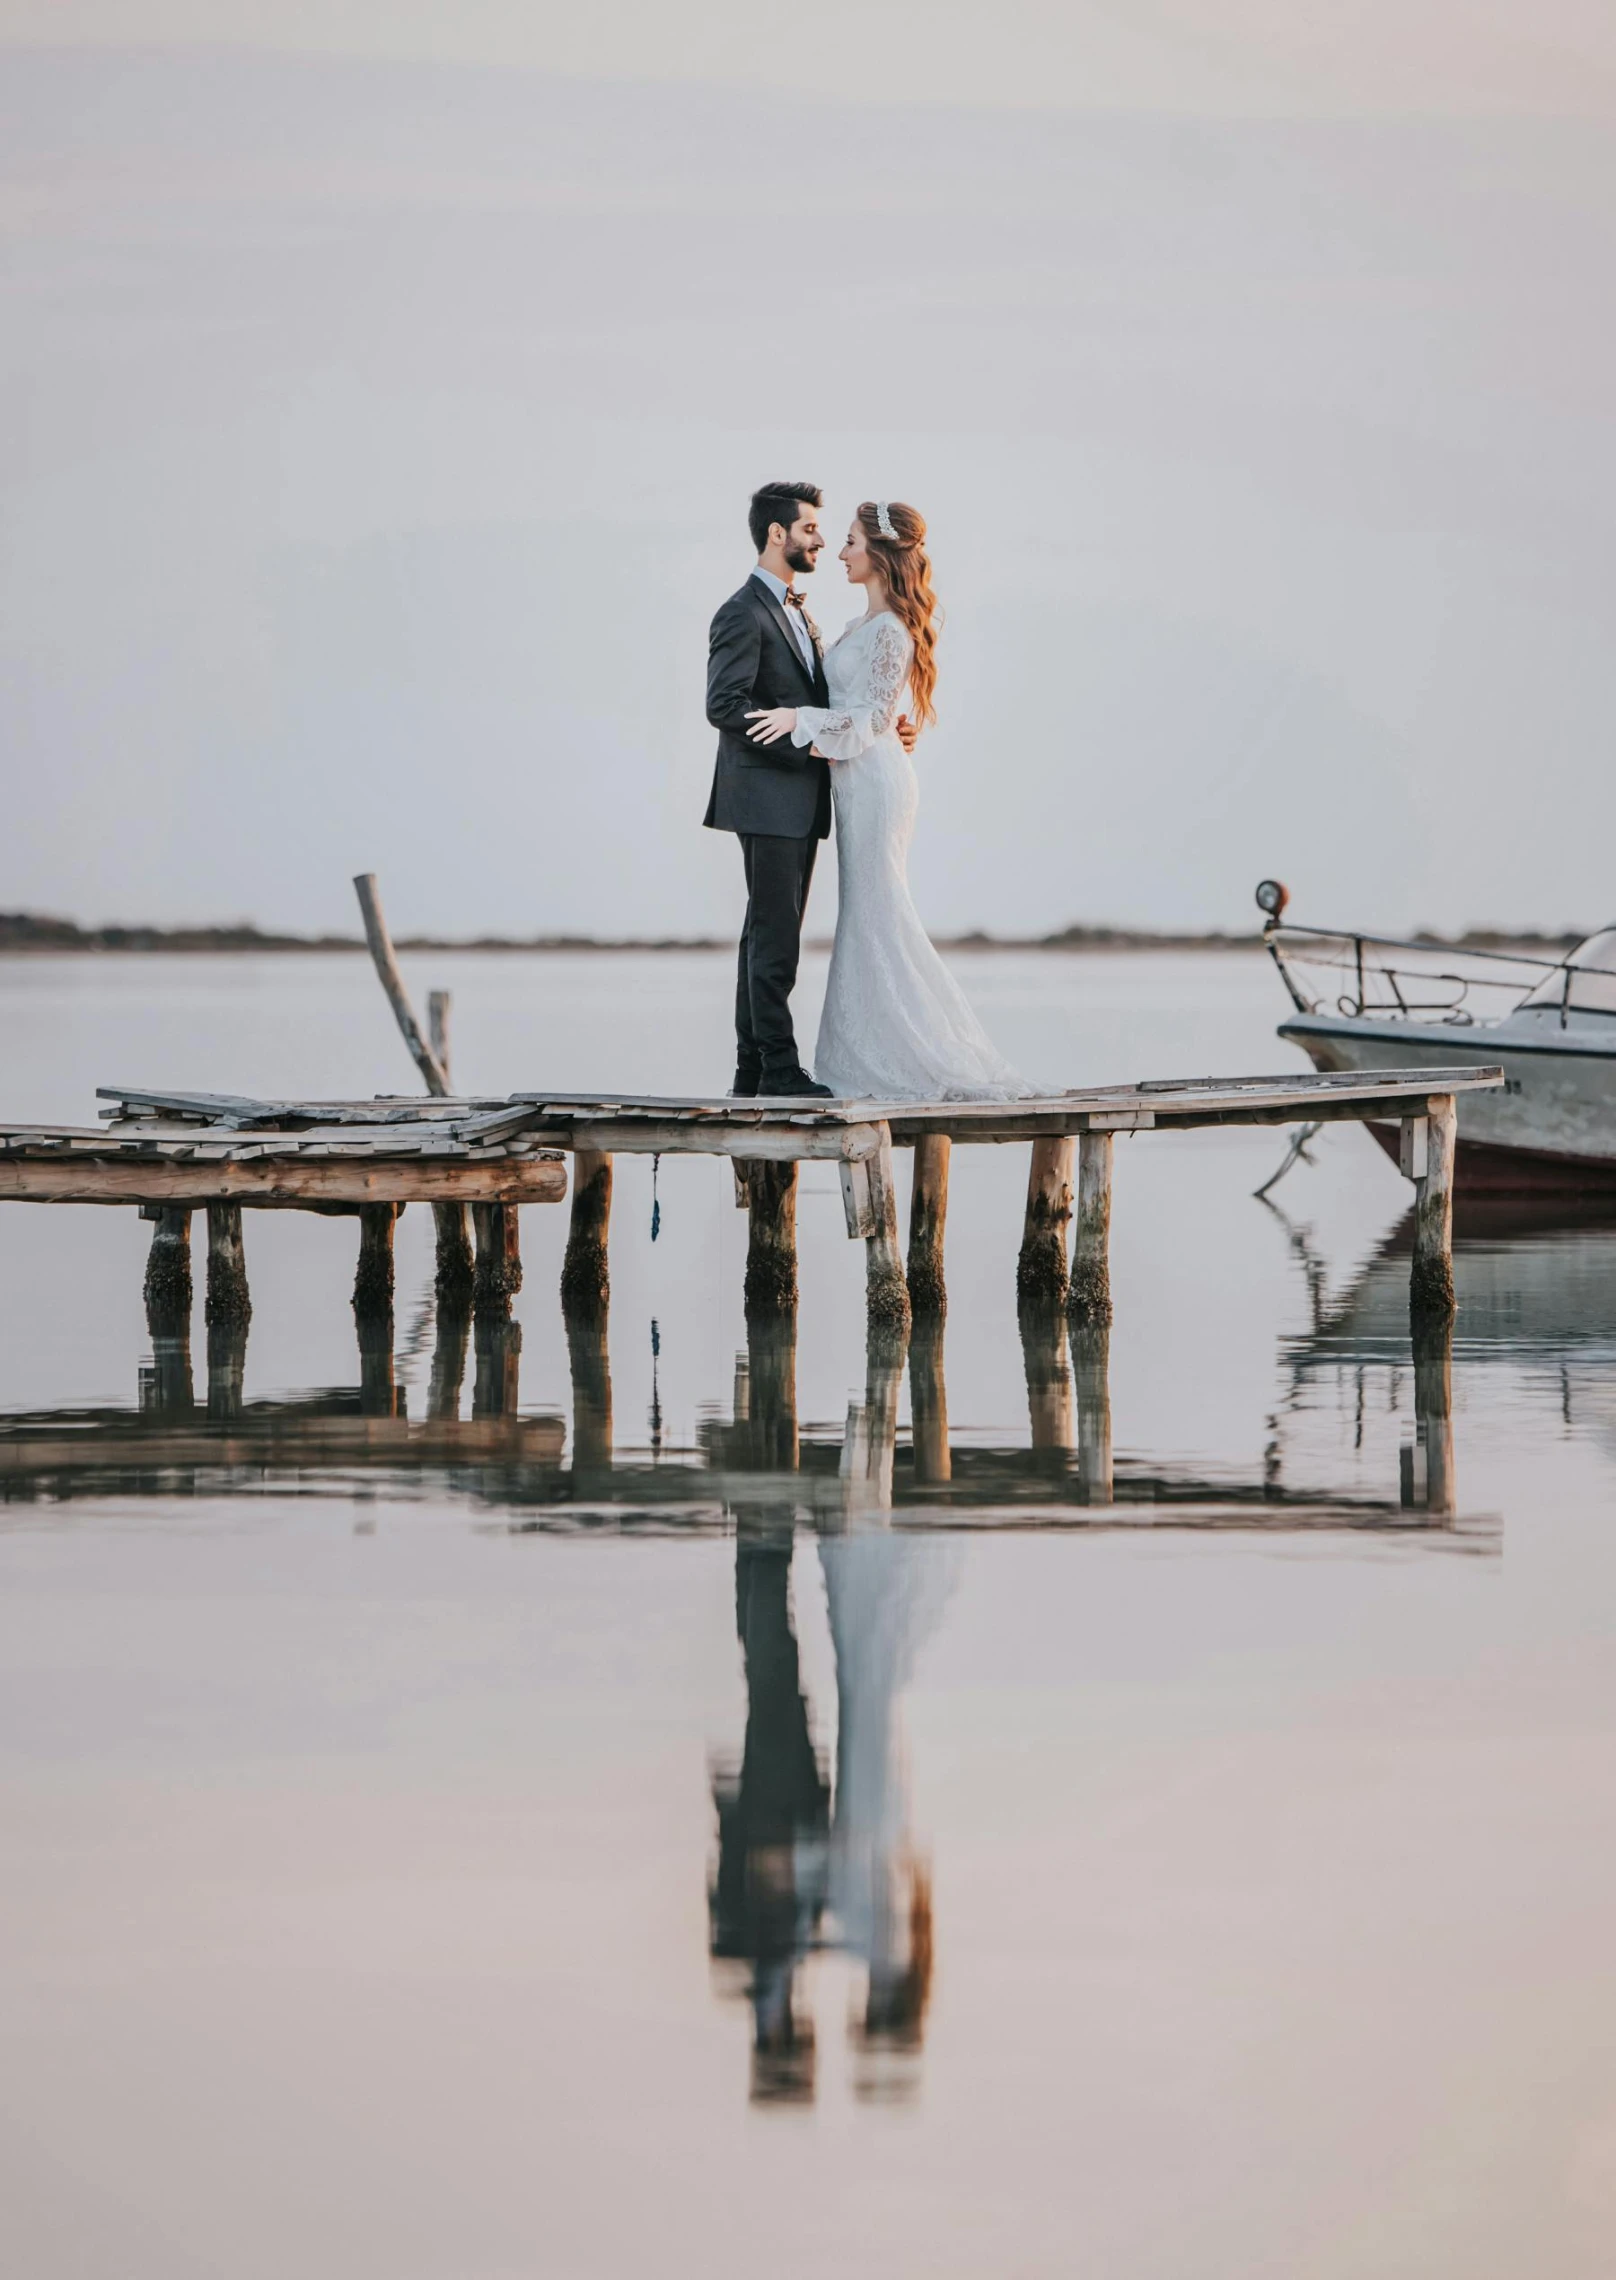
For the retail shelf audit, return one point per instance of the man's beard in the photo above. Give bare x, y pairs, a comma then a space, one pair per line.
799, 558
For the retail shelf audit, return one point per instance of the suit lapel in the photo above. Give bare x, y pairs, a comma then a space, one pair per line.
776, 612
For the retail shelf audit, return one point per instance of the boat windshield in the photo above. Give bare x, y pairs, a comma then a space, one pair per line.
1587, 982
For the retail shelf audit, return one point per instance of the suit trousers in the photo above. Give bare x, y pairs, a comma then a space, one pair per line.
778, 873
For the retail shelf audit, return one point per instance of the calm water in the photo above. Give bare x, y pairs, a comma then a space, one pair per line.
673, 1802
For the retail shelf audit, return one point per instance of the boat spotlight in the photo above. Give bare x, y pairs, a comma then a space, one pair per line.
1272, 898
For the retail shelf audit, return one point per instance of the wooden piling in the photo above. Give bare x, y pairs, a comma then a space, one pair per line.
1431, 1278
228, 1299
498, 1273
168, 1268
454, 1277
373, 1275
872, 1435
886, 1291
1089, 1295
1091, 1376
771, 1252
585, 1274
928, 1403
928, 1219
1041, 1273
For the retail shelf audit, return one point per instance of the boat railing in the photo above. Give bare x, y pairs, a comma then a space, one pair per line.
1420, 981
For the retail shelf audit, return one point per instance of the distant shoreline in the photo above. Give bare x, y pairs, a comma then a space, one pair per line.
26, 933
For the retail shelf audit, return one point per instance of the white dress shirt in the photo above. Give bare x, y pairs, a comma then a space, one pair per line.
794, 618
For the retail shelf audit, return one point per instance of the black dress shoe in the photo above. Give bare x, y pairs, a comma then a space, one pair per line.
792, 1084
746, 1084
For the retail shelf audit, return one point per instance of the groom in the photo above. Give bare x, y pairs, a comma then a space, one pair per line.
765, 651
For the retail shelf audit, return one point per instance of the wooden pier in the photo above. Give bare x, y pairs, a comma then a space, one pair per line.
170, 1154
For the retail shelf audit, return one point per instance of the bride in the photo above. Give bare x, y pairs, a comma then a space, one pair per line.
896, 1024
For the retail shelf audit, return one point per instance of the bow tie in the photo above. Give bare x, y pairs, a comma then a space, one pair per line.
795, 600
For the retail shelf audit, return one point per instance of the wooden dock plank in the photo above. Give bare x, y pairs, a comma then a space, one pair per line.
281, 1181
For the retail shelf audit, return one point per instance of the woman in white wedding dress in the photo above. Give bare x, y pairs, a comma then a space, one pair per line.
896, 1025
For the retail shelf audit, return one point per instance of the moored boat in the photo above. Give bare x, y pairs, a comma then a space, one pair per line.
1370, 1001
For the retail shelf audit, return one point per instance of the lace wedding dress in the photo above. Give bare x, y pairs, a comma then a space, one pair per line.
896, 1024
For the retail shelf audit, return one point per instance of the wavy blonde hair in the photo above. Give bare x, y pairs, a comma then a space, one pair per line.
906, 567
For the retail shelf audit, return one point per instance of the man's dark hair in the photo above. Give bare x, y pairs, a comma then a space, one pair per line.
778, 503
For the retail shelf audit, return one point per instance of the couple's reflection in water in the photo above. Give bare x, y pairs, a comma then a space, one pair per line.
808, 1862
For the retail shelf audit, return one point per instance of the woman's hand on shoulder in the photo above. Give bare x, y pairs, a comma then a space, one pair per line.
769, 727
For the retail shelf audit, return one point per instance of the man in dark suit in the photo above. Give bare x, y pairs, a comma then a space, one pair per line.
765, 651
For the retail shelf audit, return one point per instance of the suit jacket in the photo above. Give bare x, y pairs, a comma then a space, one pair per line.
754, 664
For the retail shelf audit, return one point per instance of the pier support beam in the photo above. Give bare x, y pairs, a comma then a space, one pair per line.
771, 1252
448, 1361
886, 1291
1090, 1293
498, 1274
585, 1277
1431, 1280
1041, 1269
928, 1217
228, 1299
373, 1276
453, 1280
168, 1268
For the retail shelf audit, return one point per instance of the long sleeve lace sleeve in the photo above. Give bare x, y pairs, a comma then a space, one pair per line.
844, 735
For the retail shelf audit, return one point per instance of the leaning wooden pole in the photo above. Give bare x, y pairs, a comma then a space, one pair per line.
392, 981
455, 1279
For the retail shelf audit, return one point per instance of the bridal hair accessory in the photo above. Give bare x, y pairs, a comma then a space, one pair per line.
883, 519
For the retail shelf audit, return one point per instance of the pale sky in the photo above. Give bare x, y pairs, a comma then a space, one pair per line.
380, 390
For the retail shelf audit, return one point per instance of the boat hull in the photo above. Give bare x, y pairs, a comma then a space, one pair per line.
1551, 1129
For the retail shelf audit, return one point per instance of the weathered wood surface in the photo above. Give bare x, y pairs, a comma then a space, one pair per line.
497, 1275
771, 1251
1041, 1266
228, 1301
168, 1270
271, 1181
761, 1127
373, 1273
